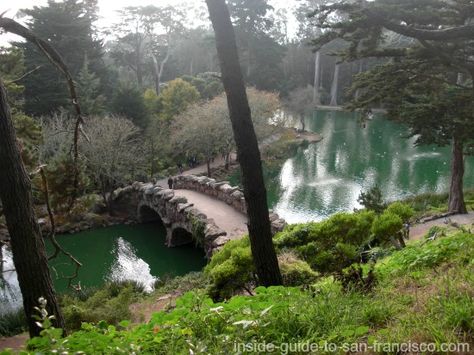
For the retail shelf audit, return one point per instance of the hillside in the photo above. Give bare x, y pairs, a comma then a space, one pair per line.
422, 296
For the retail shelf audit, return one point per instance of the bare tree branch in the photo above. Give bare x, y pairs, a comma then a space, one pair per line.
23, 76
52, 234
55, 58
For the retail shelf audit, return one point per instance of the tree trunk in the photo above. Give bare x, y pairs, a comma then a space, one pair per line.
361, 63
248, 154
227, 161
456, 196
316, 93
302, 121
208, 164
156, 73
29, 255
334, 86
401, 241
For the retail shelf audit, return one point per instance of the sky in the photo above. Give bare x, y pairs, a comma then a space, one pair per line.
107, 10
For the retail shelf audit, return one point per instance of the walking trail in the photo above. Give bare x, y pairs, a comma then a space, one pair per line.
418, 231
226, 217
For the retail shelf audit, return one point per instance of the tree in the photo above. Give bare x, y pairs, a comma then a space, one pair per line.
260, 235
255, 33
57, 133
113, 155
300, 103
28, 132
204, 129
31, 262
92, 101
208, 84
176, 97
146, 38
420, 86
68, 26
129, 102
306, 31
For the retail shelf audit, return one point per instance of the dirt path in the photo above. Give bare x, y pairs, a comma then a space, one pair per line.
225, 216
417, 231
200, 169
17, 342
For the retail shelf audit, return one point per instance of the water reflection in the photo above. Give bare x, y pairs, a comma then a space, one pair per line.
327, 177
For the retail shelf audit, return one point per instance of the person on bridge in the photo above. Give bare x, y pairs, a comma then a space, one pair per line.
170, 183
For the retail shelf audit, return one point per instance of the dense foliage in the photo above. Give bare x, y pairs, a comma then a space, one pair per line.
411, 302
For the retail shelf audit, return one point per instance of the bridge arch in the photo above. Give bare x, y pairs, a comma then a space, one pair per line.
184, 222
180, 235
147, 214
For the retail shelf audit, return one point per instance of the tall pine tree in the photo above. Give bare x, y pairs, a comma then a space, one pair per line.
69, 27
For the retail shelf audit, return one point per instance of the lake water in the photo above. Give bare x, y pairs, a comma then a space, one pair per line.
316, 182
133, 252
328, 176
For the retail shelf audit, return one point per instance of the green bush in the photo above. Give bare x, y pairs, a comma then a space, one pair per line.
294, 271
433, 307
386, 226
402, 210
12, 323
230, 269
110, 304
428, 255
331, 245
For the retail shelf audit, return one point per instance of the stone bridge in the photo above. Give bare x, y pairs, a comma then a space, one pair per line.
199, 210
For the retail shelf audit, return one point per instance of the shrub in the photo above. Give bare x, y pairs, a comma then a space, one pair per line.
386, 227
331, 245
402, 210
110, 304
230, 269
295, 271
12, 323
372, 200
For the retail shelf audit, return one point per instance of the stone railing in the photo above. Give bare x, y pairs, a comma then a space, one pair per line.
223, 191
145, 202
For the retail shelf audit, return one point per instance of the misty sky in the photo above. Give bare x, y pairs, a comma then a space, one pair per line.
108, 9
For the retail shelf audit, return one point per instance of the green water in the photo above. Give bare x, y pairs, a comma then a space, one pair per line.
328, 176
134, 252
123, 252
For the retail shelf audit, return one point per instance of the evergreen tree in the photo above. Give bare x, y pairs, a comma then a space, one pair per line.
129, 102
69, 27
260, 52
428, 83
92, 102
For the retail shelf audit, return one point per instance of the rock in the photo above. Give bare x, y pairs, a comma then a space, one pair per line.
220, 241
165, 194
273, 217
178, 199
183, 206
212, 231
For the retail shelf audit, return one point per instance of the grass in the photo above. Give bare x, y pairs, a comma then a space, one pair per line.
424, 293
12, 323
429, 204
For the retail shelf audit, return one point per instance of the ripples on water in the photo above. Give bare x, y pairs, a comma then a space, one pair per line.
327, 177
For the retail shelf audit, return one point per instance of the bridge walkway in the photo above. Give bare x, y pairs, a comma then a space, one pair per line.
226, 217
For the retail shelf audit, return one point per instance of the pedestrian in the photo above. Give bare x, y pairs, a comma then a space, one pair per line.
180, 168
170, 183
